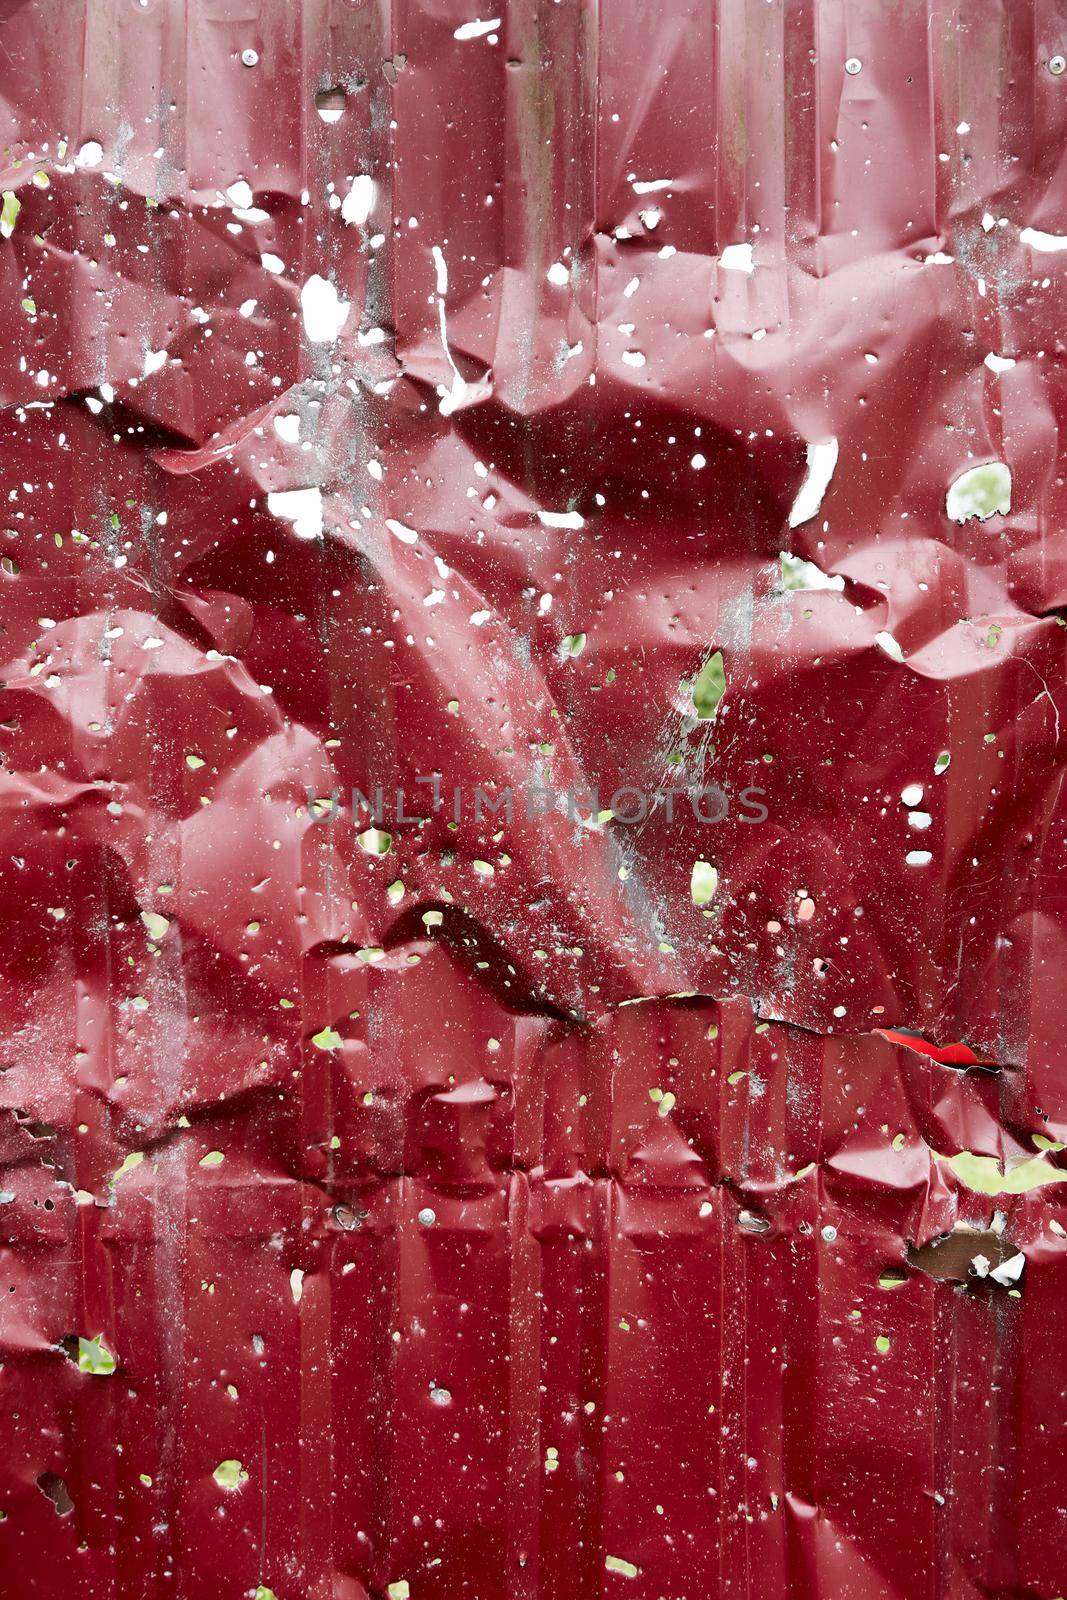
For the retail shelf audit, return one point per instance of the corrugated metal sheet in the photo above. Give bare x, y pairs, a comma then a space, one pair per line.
531, 825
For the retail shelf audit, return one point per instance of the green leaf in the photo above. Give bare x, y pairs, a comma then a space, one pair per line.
95, 1358
375, 841
9, 211
133, 1160
626, 1569
980, 492
703, 882
709, 687
230, 1475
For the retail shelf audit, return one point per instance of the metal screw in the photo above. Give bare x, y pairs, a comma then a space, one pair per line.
1057, 64
853, 65
250, 57
427, 1216
829, 1233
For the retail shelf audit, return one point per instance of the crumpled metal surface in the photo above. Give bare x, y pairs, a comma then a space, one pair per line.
619, 1198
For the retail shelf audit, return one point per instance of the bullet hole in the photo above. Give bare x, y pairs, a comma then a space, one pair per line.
348, 1218
330, 104
52, 1485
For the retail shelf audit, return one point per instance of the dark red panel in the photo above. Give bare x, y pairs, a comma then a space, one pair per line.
532, 833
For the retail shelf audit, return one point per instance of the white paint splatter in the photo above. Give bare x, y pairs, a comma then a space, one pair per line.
440, 269
561, 519
301, 507
358, 203
476, 30
822, 460
452, 399
1046, 242
738, 258
325, 313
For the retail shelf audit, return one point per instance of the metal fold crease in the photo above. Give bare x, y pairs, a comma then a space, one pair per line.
532, 827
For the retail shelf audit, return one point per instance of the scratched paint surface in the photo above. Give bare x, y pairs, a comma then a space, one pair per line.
645, 421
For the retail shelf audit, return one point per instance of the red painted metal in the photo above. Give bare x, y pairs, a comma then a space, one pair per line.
485, 1219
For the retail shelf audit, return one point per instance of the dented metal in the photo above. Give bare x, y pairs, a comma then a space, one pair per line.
531, 817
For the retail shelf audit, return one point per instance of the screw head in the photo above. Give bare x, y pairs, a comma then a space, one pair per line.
853, 65
427, 1216
1057, 64
250, 57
